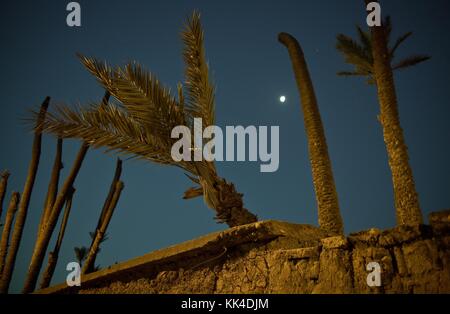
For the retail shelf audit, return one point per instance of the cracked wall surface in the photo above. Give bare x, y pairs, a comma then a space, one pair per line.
413, 259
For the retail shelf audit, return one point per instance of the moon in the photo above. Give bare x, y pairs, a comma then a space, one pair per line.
282, 99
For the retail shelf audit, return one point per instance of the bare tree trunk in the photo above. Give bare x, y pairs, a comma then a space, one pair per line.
12, 208
406, 198
53, 256
3, 188
90, 259
52, 190
106, 205
327, 200
25, 200
42, 242
48, 226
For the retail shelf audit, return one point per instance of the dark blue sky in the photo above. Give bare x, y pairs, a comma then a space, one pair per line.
251, 70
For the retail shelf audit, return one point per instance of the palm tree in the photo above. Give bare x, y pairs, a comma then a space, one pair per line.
360, 54
373, 58
141, 123
327, 201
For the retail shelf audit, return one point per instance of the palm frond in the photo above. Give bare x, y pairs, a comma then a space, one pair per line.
366, 41
353, 52
359, 53
140, 92
410, 61
195, 180
180, 96
80, 253
106, 126
200, 91
147, 100
101, 70
193, 192
398, 42
141, 125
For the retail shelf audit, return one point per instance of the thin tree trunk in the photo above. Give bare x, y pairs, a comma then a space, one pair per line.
42, 242
3, 188
112, 188
12, 209
52, 190
107, 204
116, 178
53, 256
25, 200
406, 199
327, 200
48, 227
90, 259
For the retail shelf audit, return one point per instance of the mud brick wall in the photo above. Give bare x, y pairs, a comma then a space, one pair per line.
276, 257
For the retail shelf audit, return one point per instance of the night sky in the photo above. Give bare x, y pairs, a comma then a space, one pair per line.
251, 71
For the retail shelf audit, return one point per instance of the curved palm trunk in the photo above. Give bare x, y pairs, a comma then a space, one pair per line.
25, 201
406, 199
327, 201
12, 208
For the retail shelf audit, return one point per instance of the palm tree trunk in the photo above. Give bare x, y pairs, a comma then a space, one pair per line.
327, 200
52, 190
221, 196
25, 200
53, 256
89, 263
42, 242
3, 187
12, 208
230, 206
406, 199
